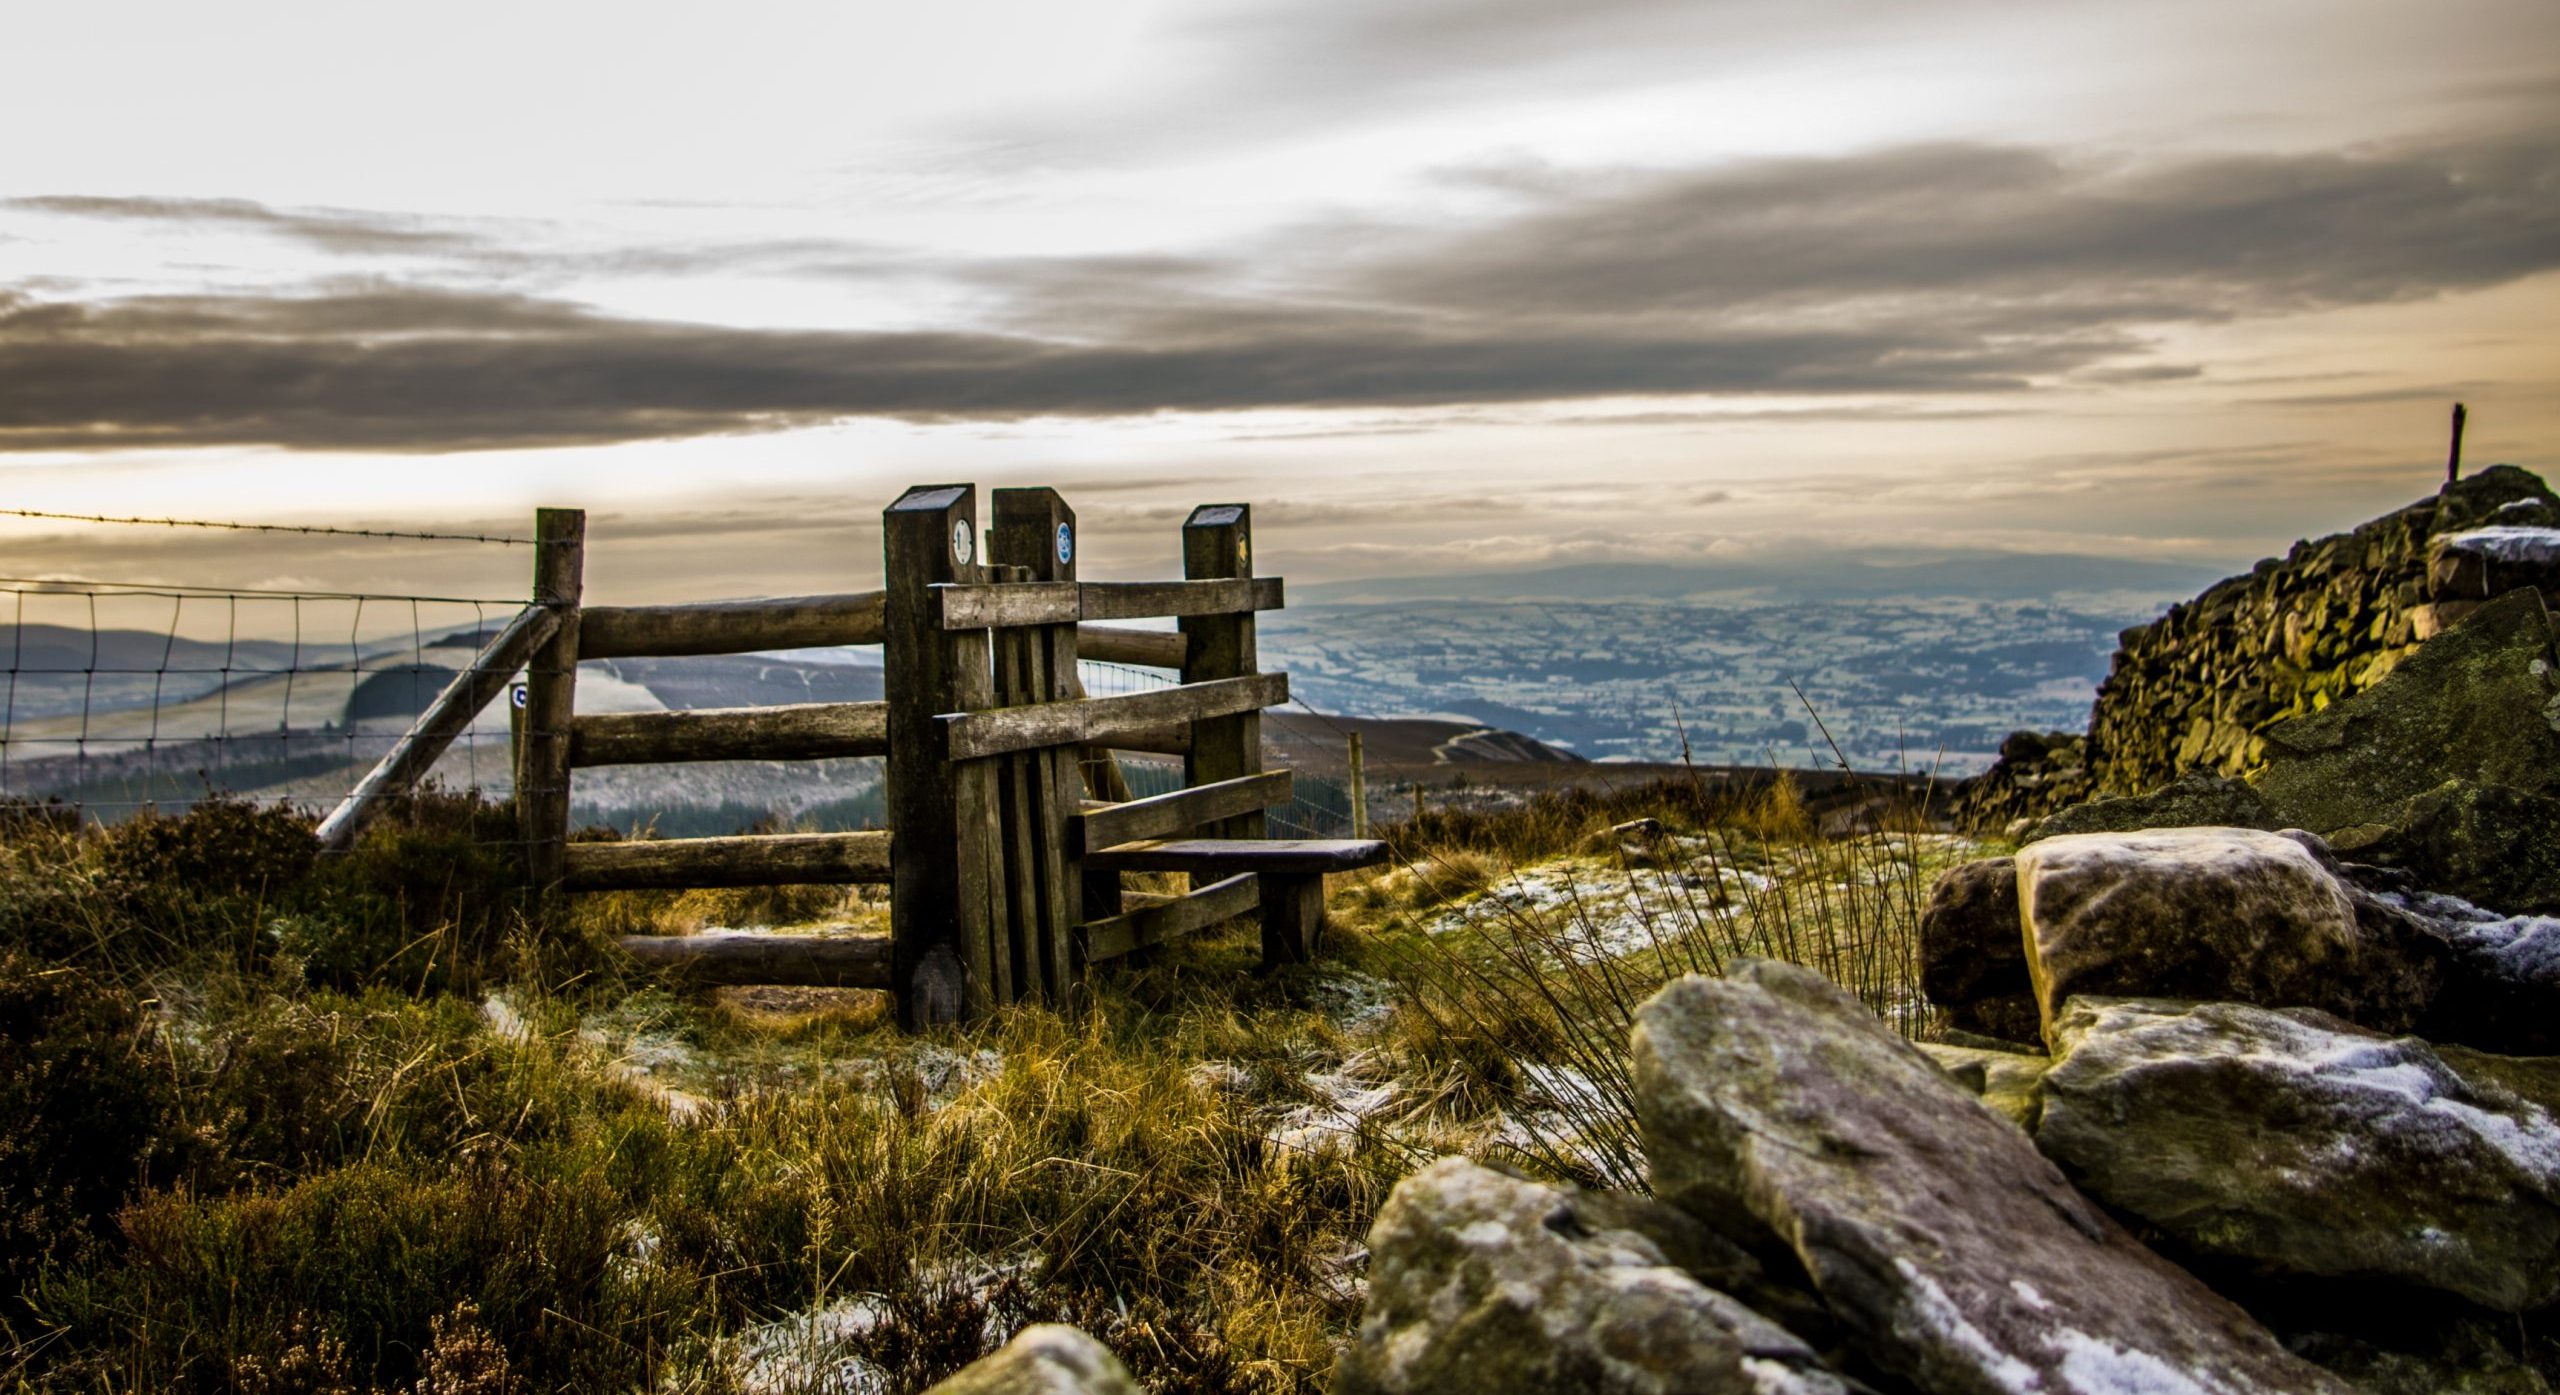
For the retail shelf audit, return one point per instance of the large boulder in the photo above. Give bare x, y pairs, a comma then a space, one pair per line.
1484, 1283
1045, 1359
2300, 1144
2214, 913
2478, 703
1973, 962
1956, 1252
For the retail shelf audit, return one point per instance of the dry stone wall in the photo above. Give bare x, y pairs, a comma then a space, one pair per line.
2194, 690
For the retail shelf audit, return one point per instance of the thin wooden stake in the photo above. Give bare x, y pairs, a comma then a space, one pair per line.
1359, 790
2453, 462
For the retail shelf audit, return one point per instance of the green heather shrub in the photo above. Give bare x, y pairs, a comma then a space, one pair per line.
87, 1105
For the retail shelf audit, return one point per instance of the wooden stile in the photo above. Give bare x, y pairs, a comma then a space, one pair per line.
551, 687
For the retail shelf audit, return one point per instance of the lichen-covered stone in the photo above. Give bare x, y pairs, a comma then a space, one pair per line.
1973, 960
1955, 1251
2212, 913
1482, 1283
2490, 844
2478, 703
2304, 1145
2004, 1080
1045, 1359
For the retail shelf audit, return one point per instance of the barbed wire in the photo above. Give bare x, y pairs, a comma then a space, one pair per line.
172, 590
308, 528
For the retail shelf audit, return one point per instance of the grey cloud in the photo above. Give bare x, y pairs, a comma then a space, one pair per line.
343, 231
1932, 270
2018, 233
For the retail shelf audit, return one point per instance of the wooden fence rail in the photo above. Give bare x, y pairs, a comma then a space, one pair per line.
1012, 824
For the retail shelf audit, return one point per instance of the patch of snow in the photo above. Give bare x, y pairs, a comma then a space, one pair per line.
1353, 1001
1937, 1312
2096, 1366
2508, 543
2518, 948
1347, 1102
812, 1353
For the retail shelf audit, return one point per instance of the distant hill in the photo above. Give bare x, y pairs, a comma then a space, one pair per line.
1809, 576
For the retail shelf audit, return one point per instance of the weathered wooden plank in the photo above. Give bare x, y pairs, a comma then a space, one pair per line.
1113, 644
445, 718
1179, 811
551, 695
1220, 856
1139, 600
717, 957
733, 627
999, 606
939, 904
765, 859
1007, 605
1166, 921
794, 731
1100, 721
1217, 542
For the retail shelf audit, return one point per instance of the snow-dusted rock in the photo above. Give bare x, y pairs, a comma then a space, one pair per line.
1481, 1283
1956, 1252
2302, 1144
1046, 1359
2502, 972
2485, 562
2212, 914
1973, 960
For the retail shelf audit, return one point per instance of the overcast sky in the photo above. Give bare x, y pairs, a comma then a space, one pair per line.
1432, 284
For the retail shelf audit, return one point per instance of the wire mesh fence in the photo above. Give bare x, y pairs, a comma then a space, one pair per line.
117, 697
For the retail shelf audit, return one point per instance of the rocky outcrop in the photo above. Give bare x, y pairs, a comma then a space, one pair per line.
2215, 914
1971, 960
1955, 1252
2197, 689
2302, 1145
1487, 1284
1046, 1359
2190, 801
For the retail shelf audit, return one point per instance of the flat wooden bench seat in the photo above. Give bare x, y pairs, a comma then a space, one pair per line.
1288, 876
1223, 857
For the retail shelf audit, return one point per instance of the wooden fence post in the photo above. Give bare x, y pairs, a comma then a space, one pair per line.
551, 687
941, 814
1217, 542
